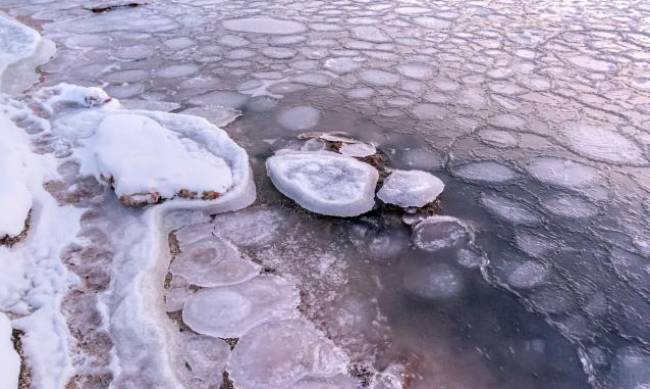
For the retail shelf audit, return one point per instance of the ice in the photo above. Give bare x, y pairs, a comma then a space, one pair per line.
498, 138
9, 358
15, 197
251, 227
127, 147
233, 41
569, 206
215, 114
264, 25
370, 34
231, 311
324, 182
535, 245
410, 188
279, 52
175, 71
421, 159
299, 118
203, 360
470, 259
416, 70
431, 22
509, 210
441, 232
486, 171
528, 275
221, 98
631, 369
378, 77
562, 172
592, 64
359, 150
603, 144
411, 10
21, 50
277, 354
213, 262
434, 281
342, 65
336, 382
179, 43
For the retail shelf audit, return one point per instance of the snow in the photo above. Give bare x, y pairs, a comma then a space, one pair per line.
231, 311
441, 232
410, 188
324, 182
213, 262
9, 358
128, 149
302, 350
15, 198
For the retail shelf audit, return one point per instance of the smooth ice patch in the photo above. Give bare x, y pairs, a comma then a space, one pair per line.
509, 210
277, 354
410, 188
602, 144
213, 262
324, 182
441, 232
299, 118
563, 172
231, 311
264, 25
485, 171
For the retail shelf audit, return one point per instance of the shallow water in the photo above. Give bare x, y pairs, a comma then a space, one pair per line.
536, 116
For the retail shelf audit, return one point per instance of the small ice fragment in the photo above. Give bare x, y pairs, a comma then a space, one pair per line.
410, 188
440, 232
324, 182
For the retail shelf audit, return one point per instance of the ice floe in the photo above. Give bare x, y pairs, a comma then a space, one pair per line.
264, 25
410, 188
324, 182
510, 210
441, 232
299, 118
486, 171
203, 360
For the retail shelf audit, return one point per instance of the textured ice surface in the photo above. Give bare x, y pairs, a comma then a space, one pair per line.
277, 354
9, 359
264, 25
213, 262
440, 232
410, 188
562, 172
509, 210
324, 182
299, 118
435, 281
231, 311
487, 171
570, 206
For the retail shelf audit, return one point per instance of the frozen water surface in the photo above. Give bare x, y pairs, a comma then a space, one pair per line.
528, 271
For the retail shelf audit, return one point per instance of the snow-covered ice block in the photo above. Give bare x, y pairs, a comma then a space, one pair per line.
277, 354
410, 188
441, 232
9, 359
22, 49
324, 182
231, 311
213, 262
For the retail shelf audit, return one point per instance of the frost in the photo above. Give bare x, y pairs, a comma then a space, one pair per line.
324, 182
410, 188
301, 350
213, 262
9, 359
231, 311
299, 118
435, 281
440, 232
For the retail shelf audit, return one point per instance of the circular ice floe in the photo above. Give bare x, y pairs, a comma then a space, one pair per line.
602, 144
324, 182
231, 311
213, 262
299, 118
486, 171
203, 360
410, 188
440, 232
509, 210
436, 281
277, 354
562, 172
264, 25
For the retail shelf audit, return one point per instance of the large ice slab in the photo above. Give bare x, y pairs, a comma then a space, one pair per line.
410, 188
324, 182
